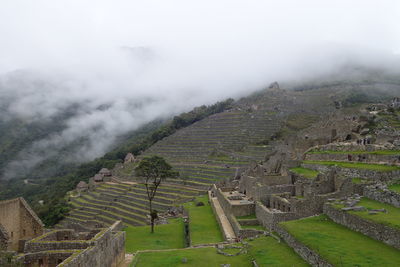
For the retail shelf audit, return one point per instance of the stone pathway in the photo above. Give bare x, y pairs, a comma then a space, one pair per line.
226, 225
127, 261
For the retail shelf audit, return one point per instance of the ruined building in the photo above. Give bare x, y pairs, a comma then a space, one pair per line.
19, 223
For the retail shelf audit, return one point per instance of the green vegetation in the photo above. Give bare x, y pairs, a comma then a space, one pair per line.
154, 169
359, 181
269, 252
203, 226
355, 165
378, 152
308, 173
265, 250
339, 245
391, 218
257, 227
395, 187
197, 257
53, 178
167, 236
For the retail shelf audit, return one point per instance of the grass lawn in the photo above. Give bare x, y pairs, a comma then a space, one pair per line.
379, 152
360, 181
308, 173
203, 225
165, 236
339, 245
355, 165
197, 257
395, 187
265, 250
257, 227
269, 252
392, 218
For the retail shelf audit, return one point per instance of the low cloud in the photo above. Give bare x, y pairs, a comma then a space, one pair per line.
125, 63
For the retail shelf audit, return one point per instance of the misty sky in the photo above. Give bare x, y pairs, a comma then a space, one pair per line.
173, 54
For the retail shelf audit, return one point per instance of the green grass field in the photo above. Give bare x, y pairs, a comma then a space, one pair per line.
395, 187
355, 165
339, 245
360, 181
391, 218
308, 173
265, 250
257, 227
165, 236
379, 152
203, 226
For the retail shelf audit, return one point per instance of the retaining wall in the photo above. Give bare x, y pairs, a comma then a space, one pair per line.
306, 253
382, 195
386, 234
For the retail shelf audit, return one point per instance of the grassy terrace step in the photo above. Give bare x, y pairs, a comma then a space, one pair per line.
157, 198
355, 165
175, 189
339, 245
143, 202
308, 173
110, 190
391, 218
165, 236
119, 212
82, 212
266, 251
161, 194
204, 227
115, 187
191, 183
394, 188
378, 152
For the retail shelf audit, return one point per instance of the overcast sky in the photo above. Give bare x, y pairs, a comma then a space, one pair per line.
179, 54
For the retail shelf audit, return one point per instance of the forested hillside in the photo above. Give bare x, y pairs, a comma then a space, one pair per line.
58, 178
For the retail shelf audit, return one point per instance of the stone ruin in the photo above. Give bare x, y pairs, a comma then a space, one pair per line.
24, 241
4, 238
19, 223
276, 194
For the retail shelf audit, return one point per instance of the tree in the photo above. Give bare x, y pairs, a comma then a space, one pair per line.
155, 170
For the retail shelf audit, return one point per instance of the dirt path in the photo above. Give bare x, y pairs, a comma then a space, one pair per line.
226, 225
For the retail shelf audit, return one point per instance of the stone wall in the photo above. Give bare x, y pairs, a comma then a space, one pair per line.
367, 158
20, 222
104, 248
4, 239
377, 231
270, 219
306, 253
353, 172
44, 259
242, 233
109, 251
264, 193
382, 195
237, 209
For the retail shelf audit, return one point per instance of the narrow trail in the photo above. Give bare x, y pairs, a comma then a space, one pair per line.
226, 225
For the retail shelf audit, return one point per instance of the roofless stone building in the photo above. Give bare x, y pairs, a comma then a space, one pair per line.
19, 222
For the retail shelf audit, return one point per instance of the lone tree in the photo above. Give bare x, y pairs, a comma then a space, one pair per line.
155, 170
